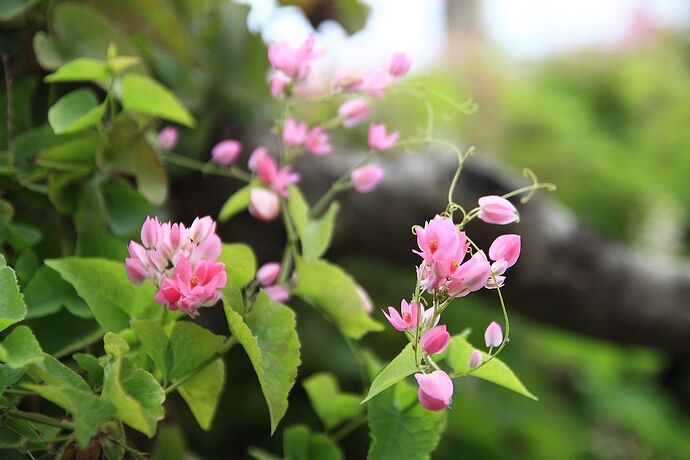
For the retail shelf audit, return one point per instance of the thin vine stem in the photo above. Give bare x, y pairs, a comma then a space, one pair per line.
206, 168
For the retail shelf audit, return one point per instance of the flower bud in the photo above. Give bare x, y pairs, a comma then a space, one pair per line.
354, 112
167, 138
294, 134
277, 293
268, 273
435, 340
150, 232
201, 229
278, 83
136, 270
379, 140
497, 210
263, 204
318, 141
256, 157
435, 390
399, 65
493, 336
226, 152
367, 178
505, 248
476, 359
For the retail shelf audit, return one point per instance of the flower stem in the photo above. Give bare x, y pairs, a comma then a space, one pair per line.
206, 168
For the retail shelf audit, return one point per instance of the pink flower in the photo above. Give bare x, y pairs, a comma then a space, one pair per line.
470, 276
192, 287
226, 152
374, 84
294, 63
150, 232
278, 82
318, 141
476, 359
367, 178
399, 65
268, 273
497, 210
354, 112
263, 204
347, 82
435, 340
278, 179
407, 320
435, 390
167, 138
505, 248
440, 240
256, 157
493, 336
379, 140
136, 270
277, 293
294, 134
201, 229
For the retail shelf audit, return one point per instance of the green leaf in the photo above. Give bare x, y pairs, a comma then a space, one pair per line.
202, 392
12, 307
401, 428
300, 444
190, 346
270, 339
317, 235
47, 293
334, 292
20, 348
10, 9
92, 366
260, 454
333, 406
135, 393
75, 111
494, 371
9, 376
236, 203
125, 209
81, 69
240, 264
402, 366
62, 333
103, 284
298, 209
53, 372
169, 444
154, 341
145, 95
21, 236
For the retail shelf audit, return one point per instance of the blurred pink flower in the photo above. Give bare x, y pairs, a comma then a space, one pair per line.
379, 140
399, 65
226, 152
367, 178
354, 111
167, 138
263, 204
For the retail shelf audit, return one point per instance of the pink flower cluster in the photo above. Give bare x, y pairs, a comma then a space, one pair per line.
291, 66
316, 140
181, 261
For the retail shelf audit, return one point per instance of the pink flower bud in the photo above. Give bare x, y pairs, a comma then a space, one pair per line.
136, 271
505, 248
470, 276
268, 273
263, 204
278, 83
354, 112
435, 390
366, 178
497, 210
493, 335
379, 140
277, 293
167, 138
399, 65
150, 232
374, 84
201, 229
318, 141
294, 134
476, 359
407, 320
256, 157
435, 340
226, 152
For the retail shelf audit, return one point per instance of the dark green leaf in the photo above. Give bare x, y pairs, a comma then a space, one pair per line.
47, 293
202, 392
154, 341
300, 444
169, 444
20, 348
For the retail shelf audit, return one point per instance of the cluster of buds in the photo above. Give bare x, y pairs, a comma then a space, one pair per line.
267, 276
181, 261
453, 267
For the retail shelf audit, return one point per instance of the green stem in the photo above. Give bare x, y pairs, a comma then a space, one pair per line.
227, 345
206, 168
40, 418
290, 246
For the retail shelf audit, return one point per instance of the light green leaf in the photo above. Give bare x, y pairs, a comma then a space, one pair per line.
81, 69
145, 95
494, 371
240, 264
75, 111
190, 346
103, 284
20, 348
317, 235
47, 293
334, 292
236, 203
332, 405
402, 366
135, 393
12, 307
53, 372
401, 428
300, 444
154, 341
270, 339
298, 209
202, 392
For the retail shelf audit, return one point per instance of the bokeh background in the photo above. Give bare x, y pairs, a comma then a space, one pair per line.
593, 96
